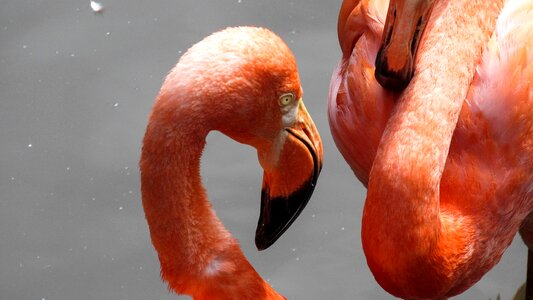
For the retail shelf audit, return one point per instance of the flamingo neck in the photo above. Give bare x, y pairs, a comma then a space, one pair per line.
404, 183
198, 255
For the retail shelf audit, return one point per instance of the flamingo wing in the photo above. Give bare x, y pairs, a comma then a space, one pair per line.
358, 107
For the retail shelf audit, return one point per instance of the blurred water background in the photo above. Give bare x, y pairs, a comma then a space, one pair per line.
76, 88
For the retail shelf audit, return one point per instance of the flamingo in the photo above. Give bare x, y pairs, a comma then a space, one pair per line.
446, 149
244, 83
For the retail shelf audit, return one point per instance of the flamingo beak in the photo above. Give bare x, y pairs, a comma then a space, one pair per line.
289, 183
406, 21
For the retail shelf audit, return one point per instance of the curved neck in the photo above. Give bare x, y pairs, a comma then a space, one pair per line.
174, 200
195, 251
404, 184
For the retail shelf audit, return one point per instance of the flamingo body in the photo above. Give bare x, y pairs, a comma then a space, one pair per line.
448, 162
243, 82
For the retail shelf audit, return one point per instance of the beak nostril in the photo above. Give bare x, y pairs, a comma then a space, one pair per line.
389, 36
416, 37
389, 33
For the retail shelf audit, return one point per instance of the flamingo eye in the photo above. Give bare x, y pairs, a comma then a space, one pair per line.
286, 99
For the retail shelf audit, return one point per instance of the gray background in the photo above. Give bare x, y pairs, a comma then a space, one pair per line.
75, 91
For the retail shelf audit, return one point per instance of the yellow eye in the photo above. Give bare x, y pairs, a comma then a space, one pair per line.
286, 99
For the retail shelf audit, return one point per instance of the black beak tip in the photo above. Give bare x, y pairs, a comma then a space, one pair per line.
395, 81
263, 244
396, 84
278, 213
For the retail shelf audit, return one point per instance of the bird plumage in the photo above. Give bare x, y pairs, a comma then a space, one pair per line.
448, 163
232, 81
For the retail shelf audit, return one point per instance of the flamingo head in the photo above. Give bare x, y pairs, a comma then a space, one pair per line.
292, 160
289, 149
250, 81
406, 21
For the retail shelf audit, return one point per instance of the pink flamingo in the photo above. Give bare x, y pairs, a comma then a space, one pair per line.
448, 162
244, 83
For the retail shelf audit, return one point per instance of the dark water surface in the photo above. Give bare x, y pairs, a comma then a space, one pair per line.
75, 91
